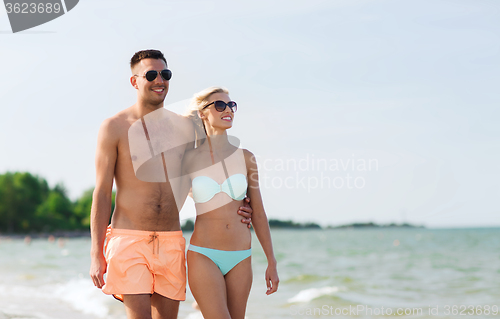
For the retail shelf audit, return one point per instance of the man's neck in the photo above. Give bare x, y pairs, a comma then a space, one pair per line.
141, 108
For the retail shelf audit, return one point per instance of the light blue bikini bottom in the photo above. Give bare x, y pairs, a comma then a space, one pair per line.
224, 259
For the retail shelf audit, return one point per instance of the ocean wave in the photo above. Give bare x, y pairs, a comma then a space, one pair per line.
195, 315
307, 295
78, 294
83, 296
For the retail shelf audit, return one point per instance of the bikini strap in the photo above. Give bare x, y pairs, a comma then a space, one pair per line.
211, 151
223, 166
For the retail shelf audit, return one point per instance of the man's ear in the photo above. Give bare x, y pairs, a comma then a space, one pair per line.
133, 81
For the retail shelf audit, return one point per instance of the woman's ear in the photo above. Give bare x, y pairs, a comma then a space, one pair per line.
201, 115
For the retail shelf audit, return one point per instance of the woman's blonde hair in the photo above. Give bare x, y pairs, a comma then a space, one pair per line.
199, 101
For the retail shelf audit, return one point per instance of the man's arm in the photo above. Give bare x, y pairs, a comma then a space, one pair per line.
106, 155
184, 184
246, 211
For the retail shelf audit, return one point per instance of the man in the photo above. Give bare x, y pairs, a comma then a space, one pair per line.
144, 260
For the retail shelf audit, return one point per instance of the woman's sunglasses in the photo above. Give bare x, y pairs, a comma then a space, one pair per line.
151, 75
220, 106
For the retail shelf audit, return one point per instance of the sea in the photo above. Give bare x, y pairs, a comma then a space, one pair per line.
362, 273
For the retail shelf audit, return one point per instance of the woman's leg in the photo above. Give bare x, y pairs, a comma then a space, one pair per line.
238, 284
208, 286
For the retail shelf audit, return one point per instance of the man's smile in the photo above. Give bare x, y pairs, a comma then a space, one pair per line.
159, 90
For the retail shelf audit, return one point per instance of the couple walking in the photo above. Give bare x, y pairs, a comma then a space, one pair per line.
157, 157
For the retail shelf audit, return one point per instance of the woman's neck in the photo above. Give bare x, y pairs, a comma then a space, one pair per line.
219, 142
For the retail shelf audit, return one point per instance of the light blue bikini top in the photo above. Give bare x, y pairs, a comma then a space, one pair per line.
204, 188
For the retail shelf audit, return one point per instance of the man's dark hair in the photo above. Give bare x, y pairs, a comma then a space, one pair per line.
146, 54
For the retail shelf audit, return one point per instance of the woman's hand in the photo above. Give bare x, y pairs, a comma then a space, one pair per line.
272, 279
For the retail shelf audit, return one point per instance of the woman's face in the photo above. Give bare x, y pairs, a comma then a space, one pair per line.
218, 120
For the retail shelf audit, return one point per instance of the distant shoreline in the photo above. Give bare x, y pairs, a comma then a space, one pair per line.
275, 223
296, 226
189, 226
373, 225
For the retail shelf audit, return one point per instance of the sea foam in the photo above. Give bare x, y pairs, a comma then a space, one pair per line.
83, 296
307, 295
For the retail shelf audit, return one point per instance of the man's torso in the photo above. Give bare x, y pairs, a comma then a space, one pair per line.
140, 204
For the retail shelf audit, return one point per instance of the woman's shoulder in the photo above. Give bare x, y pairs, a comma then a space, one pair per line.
247, 153
250, 158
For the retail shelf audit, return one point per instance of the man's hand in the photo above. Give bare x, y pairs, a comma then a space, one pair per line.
97, 270
246, 211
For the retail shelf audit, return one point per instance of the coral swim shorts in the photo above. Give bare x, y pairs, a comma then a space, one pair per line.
145, 262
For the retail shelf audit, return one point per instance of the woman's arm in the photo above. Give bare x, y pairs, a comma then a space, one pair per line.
260, 223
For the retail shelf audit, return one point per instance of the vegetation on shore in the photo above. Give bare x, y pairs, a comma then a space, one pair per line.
29, 205
275, 223
373, 225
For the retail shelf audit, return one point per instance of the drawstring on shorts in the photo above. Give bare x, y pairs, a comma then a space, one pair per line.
153, 239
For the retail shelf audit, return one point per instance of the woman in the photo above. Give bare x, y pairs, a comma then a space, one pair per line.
220, 174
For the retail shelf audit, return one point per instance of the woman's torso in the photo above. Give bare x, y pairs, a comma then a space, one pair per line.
218, 225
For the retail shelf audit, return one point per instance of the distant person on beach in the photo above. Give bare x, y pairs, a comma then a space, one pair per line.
144, 257
220, 174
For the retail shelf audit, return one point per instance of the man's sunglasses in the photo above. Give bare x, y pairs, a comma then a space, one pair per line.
151, 75
220, 106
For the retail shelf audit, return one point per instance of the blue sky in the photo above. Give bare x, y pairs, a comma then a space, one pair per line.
411, 85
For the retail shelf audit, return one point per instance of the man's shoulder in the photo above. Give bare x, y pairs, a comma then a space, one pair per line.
179, 122
115, 125
185, 123
185, 126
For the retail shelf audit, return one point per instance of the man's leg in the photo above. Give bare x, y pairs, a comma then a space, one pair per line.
137, 306
163, 307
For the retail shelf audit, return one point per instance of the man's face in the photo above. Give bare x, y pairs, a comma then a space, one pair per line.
153, 92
